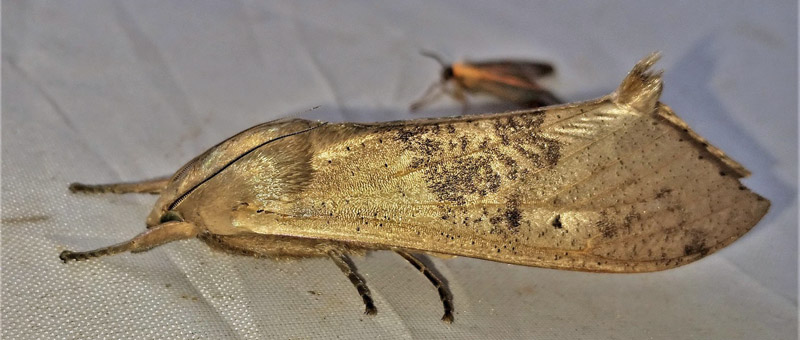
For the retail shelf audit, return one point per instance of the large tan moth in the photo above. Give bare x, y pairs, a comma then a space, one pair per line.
618, 184
511, 80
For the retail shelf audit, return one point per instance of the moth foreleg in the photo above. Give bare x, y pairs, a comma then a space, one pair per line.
153, 237
150, 186
348, 268
460, 96
444, 295
430, 95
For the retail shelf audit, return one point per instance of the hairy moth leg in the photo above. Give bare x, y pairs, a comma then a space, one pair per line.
431, 94
460, 96
444, 295
150, 186
348, 268
153, 237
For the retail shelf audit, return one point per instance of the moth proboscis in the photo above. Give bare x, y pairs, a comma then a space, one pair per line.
510, 80
617, 184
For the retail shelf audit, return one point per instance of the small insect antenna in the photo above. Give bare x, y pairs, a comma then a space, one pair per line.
433, 56
436, 89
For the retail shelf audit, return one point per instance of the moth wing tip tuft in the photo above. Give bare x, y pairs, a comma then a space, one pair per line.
642, 87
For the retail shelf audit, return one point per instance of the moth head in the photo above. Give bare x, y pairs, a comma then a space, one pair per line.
170, 216
161, 213
447, 73
447, 70
180, 188
165, 209
169, 207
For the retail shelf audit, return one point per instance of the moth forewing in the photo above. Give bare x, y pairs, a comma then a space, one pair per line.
608, 185
618, 184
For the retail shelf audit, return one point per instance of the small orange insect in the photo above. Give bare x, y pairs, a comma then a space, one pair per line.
506, 79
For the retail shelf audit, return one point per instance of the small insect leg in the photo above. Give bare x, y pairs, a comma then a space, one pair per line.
349, 269
150, 186
458, 94
153, 237
430, 95
444, 295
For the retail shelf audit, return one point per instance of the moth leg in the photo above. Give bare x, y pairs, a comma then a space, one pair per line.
444, 295
430, 95
150, 186
348, 268
153, 237
458, 94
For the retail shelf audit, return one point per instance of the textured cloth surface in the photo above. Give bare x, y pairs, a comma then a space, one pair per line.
104, 91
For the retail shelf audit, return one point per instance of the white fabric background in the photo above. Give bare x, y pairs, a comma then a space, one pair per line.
102, 91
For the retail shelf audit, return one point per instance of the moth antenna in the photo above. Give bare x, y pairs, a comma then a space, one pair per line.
434, 56
641, 88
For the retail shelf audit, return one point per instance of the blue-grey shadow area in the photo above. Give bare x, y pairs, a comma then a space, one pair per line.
448, 108
688, 91
331, 113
